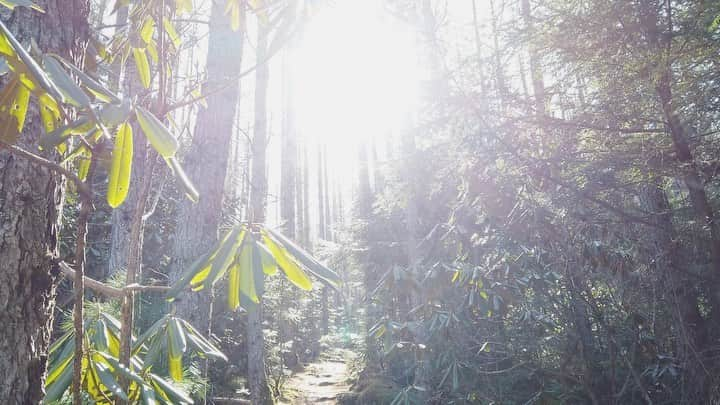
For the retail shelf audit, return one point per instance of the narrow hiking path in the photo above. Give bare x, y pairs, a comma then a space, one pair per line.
322, 380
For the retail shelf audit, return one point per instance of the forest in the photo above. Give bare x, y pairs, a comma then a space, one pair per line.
359, 202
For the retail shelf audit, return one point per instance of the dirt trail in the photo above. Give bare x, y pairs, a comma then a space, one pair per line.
321, 381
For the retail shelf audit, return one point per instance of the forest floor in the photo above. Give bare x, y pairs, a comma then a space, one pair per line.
321, 381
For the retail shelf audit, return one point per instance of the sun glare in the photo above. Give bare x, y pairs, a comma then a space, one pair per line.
356, 75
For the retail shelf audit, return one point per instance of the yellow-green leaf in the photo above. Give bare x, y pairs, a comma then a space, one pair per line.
143, 67
234, 286
288, 264
147, 29
247, 281
11, 4
159, 136
172, 32
121, 166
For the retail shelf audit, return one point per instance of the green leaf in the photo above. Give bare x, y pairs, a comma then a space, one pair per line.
55, 389
157, 134
98, 90
177, 344
190, 191
247, 283
108, 380
147, 29
13, 109
112, 115
234, 286
203, 345
120, 166
143, 66
149, 333
156, 346
256, 272
318, 269
225, 256
71, 92
80, 126
59, 363
199, 264
30, 66
11, 4
287, 263
269, 265
101, 338
172, 33
173, 393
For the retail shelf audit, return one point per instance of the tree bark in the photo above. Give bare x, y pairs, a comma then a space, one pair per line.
257, 379
207, 160
30, 206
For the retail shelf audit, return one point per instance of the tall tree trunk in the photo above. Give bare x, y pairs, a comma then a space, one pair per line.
30, 206
321, 192
207, 160
289, 154
306, 199
660, 40
536, 74
259, 390
681, 294
326, 195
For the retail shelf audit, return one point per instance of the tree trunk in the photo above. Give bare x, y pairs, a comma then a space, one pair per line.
257, 379
289, 155
30, 206
321, 193
207, 160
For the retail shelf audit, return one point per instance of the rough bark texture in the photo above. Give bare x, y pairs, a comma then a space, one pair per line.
30, 205
207, 161
257, 380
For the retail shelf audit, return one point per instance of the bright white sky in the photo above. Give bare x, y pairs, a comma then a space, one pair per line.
356, 74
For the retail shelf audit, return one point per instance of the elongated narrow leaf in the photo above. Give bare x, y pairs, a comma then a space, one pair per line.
287, 263
60, 384
157, 345
190, 191
234, 286
198, 280
201, 344
269, 264
198, 265
257, 273
101, 338
318, 269
63, 359
121, 166
11, 4
157, 134
225, 256
172, 393
112, 115
152, 331
71, 92
108, 380
98, 90
247, 284
80, 126
13, 109
49, 112
177, 344
147, 29
147, 394
142, 65
172, 33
